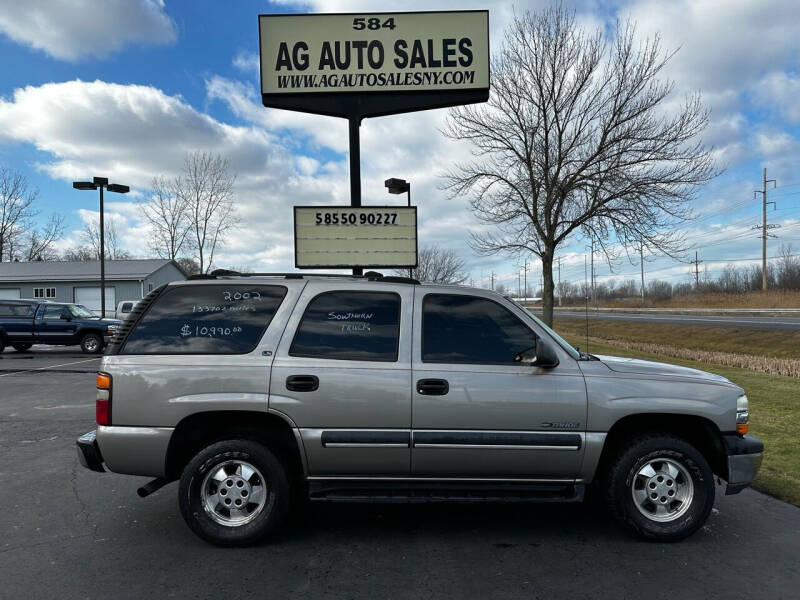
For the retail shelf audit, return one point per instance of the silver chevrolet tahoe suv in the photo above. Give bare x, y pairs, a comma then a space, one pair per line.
258, 392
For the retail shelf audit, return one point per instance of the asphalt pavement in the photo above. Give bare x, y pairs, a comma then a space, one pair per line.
741, 322
72, 533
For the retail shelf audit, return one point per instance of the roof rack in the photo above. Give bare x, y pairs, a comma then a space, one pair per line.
368, 276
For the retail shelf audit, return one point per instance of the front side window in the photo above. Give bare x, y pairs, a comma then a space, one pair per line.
206, 319
350, 326
52, 312
80, 311
473, 330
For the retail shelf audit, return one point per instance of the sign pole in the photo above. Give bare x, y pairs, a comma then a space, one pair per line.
354, 122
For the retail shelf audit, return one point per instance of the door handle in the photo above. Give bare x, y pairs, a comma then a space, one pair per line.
433, 387
302, 383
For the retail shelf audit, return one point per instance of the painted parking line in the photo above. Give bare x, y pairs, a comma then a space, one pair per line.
77, 362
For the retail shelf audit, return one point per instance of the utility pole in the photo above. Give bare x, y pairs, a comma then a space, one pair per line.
764, 227
492, 280
696, 262
519, 284
594, 295
559, 281
526, 280
641, 262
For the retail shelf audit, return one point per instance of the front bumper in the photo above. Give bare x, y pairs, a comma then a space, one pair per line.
89, 452
744, 455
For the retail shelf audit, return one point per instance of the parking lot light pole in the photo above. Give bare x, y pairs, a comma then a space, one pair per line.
102, 183
398, 186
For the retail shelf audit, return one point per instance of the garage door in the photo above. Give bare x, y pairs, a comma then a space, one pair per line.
90, 298
9, 293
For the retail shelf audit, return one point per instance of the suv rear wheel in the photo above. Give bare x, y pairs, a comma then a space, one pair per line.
660, 487
234, 493
22, 347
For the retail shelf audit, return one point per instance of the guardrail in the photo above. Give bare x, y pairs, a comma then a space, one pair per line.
677, 310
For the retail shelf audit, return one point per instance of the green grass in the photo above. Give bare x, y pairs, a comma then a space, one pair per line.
774, 416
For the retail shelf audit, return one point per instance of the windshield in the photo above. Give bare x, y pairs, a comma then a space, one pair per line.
564, 344
79, 310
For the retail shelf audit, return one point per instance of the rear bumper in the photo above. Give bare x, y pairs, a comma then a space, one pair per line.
745, 453
135, 450
89, 452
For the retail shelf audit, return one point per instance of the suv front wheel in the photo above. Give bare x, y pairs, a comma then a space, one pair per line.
660, 487
234, 493
92, 343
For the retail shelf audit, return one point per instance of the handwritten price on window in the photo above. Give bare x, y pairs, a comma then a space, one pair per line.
201, 331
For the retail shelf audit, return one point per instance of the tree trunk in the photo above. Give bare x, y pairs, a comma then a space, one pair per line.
547, 292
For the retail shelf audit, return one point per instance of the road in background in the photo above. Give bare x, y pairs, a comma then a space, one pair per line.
72, 533
760, 322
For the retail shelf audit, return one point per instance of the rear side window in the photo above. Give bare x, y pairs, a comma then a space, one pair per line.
468, 329
205, 319
16, 310
350, 326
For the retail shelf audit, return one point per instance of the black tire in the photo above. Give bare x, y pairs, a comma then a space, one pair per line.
632, 457
92, 343
22, 347
2, 344
198, 518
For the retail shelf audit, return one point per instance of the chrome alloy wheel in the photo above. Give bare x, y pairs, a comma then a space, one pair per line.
234, 493
662, 490
91, 344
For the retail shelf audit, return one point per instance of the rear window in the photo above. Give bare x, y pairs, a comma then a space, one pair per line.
16, 310
350, 326
206, 319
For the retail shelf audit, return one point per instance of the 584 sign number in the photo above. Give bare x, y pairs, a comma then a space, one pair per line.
373, 23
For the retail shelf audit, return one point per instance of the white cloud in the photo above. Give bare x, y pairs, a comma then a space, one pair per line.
70, 30
780, 91
131, 133
247, 62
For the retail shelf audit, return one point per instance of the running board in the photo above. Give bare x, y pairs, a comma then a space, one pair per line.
417, 492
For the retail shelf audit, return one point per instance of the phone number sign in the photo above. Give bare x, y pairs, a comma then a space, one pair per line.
346, 237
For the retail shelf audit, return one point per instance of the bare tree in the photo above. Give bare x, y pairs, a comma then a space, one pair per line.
16, 209
167, 211
80, 253
37, 243
113, 246
206, 187
437, 265
576, 139
189, 265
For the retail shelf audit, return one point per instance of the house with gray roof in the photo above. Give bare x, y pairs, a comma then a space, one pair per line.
79, 281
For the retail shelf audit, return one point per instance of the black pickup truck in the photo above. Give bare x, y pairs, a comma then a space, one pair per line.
27, 322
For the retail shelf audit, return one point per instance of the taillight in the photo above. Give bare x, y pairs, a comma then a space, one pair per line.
103, 402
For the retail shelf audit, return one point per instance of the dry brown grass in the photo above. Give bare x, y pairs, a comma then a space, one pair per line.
768, 299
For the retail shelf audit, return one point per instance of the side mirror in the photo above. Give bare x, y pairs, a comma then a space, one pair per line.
542, 355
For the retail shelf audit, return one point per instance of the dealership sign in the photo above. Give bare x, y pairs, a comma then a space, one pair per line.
343, 236
422, 60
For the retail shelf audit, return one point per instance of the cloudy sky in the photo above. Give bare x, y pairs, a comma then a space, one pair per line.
124, 88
